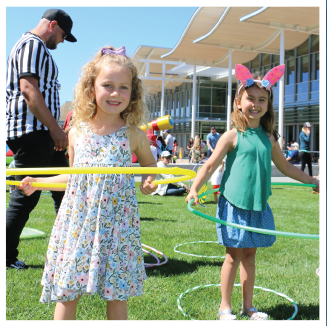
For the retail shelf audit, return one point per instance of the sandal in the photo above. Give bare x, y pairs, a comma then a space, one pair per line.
228, 314
256, 316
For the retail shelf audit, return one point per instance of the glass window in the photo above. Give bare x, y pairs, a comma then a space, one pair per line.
289, 54
276, 59
206, 83
264, 70
205, 96
315, 43
204, 111
182, 99
290, 72
303, 75
219, 84
255, 62
218, 96
218, 112
265, 59
303, 48
246, 64
315, 66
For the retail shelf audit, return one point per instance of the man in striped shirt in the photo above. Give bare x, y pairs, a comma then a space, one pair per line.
32, 111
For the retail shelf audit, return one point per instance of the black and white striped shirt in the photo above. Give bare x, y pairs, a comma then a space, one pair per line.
29, 57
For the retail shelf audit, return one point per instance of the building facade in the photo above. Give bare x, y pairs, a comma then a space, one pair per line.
301, 97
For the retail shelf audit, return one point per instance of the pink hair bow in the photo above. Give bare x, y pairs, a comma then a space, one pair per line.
272, 77
120, 51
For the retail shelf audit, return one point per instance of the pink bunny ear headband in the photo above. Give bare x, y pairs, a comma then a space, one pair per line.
120, 51
272, 77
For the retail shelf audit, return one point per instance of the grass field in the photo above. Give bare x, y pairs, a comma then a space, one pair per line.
289, 266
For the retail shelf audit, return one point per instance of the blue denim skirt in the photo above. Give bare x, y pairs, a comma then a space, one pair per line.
238, 238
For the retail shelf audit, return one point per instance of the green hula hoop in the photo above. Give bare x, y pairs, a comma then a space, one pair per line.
249, 228
216, 285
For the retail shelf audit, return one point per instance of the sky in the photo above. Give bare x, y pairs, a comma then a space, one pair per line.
95, 27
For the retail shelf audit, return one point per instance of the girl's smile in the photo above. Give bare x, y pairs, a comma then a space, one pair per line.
113, 87
254, 104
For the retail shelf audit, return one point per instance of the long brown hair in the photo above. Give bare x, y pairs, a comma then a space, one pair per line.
239, 119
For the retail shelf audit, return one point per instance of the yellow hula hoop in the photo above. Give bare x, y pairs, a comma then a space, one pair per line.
186, 174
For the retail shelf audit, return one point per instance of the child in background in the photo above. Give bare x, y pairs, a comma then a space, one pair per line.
216, 179
95, 245
250, 146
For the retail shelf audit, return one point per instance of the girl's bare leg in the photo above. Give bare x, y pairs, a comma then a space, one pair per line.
247, 276
66, 310
117, 310
228, 274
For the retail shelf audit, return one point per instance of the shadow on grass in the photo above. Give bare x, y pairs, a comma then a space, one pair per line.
179, 267
209, 203
285, 311
149, 203
155, 219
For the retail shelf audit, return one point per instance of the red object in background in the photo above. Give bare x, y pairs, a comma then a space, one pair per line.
67, 120
152, 138
9, 153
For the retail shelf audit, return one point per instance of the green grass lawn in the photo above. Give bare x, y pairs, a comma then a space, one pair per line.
289, 266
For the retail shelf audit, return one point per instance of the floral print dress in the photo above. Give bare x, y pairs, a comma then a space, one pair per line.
95, 244
196, 155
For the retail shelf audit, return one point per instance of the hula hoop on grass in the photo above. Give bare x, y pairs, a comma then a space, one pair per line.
186, 174
256, 287
147, 265
249, 228
185, 253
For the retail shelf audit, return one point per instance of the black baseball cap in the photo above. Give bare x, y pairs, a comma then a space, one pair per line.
63, 20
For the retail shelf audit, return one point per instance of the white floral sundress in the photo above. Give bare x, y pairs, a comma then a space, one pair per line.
95, 244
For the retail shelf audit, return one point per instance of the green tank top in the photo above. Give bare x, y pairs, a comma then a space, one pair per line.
246, 182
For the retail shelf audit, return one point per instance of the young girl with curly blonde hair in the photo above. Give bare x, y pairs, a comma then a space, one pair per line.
250, 147
95, 245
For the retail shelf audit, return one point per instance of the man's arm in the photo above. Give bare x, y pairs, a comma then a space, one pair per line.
36, 104
208, 144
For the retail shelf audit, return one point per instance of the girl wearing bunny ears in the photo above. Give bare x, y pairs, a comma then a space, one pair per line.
250, 146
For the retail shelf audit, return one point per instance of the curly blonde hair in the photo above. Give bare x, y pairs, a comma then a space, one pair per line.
239, 119
84, 103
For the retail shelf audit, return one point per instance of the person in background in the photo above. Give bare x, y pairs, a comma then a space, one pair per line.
169, 141
160, 143
203, 145
294, 156
169, 189
212, 140
189, 146
32, 111
196, 151
305, 155
289, 147
216, 179
175, 150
